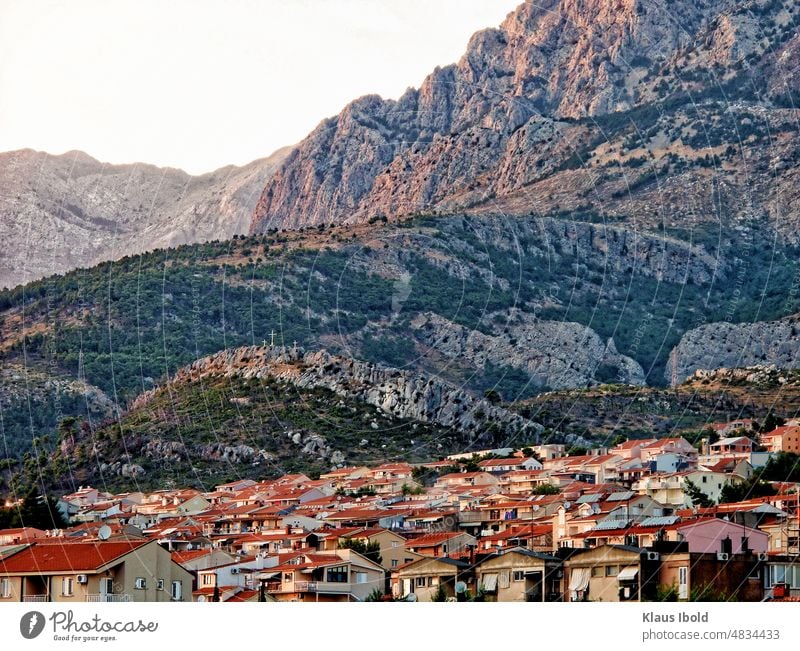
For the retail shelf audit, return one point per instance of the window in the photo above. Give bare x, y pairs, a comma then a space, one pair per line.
337, 574
160, 584
612, 570
519, 575
395, 562
177, 591
444, 549
421, 582
208, 579
5, 588
66, 586
361, 577
597, 570
140, 583
395, 544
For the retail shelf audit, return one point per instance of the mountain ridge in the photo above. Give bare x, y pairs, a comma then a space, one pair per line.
60, 212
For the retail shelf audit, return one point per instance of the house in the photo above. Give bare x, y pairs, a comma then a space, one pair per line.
519, 574
448, 543
711, 576
509, 464
466, 480
224, 581
101, 571
726, 429
782, 577
611, 573
21, 535
632, 448
235, 486
735, 446
341, 575
675, 445
712, 535
425, 578
782, 439
670, 489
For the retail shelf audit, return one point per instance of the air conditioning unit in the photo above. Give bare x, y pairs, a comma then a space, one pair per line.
763, 556
723, 556
652, 556
82, 579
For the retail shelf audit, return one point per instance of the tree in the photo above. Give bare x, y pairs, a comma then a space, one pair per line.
785, 466
546, 489
697, 496
753, 487
770, 423
370, 550
492, 396
440, 594
37, 511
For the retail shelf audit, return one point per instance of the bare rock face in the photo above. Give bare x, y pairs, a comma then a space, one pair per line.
399, 393
736, 345
62, 212
554, 353
471, 124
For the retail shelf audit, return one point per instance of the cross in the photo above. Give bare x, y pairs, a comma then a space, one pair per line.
272, 338
295, 344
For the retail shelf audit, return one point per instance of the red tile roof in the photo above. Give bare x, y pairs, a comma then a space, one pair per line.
44, 558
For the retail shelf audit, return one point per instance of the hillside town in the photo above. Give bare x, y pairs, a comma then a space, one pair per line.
643, 520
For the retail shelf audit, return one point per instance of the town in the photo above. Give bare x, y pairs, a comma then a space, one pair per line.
642, 520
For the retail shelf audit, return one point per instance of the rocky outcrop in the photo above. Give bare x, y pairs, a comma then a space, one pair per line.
734, 345
504, 116
62, 212
553, 353
401, 394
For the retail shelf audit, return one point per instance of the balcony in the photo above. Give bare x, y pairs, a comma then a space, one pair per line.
322, 586
309, 586
36, 597
108, 598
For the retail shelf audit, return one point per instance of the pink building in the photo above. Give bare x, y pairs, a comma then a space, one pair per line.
707, 536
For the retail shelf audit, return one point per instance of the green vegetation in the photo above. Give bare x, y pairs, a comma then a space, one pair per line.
370, 550
189, 433
35, 510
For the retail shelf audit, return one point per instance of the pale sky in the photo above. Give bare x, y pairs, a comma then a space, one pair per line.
200, 84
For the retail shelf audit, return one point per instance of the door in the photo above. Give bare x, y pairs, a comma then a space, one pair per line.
106, 589
683, 583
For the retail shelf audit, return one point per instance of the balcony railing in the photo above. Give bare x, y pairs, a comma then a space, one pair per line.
310, 586
36, 597
108, 598
321, 586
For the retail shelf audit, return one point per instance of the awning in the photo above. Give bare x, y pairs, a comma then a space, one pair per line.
268, 575
489, 582
628, 574
579, 579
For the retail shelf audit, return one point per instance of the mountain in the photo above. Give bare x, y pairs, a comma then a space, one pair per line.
513, 307
280, 410
63, 212
645, 112
735, 345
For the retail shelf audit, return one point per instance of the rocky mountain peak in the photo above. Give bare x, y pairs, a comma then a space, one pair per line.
447, 143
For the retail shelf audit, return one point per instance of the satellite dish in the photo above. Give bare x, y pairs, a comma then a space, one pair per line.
461, 587
104, 532
411, 597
